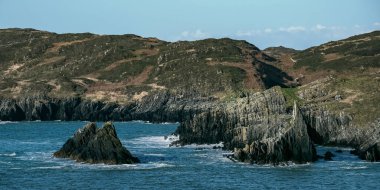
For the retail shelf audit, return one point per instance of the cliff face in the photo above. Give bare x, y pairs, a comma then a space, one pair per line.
257, 127
343, 116
161, 107
44, 108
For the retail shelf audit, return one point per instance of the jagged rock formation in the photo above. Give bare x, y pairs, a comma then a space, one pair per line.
257, 127
291, 143
92, 145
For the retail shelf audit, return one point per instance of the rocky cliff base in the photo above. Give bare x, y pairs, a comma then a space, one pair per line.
92, 145
257, 128
260, 128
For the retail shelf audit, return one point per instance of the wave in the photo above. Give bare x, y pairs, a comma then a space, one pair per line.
13, 154
169, 123
35, 143
149, 142
158, 155
49, 167
205, 146
284, 165
37, 156
139, 121
69, 164
49, 162
7, 122
354, 167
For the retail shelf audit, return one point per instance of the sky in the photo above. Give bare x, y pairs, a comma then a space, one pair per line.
291, 23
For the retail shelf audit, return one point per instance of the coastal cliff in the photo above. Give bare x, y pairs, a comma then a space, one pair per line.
257, 128
221, 90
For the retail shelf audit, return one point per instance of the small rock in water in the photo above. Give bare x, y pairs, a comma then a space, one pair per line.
96, 145
354, 152
328, 156
339, 151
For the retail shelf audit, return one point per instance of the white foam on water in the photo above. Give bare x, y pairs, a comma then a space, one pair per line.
204, 146
285, 165
139, 166
37, 156
13, 154
7, 163
160, 155
35, 143
15, 168
49, 167
59, 163
149, 142
169, 123
140, 121
7, 122
354, 167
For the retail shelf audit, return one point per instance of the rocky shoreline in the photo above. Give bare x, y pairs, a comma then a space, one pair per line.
258, 127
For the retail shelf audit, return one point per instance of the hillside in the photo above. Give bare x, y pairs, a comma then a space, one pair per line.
126, 68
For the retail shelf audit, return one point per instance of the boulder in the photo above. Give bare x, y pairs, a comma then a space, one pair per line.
96, 145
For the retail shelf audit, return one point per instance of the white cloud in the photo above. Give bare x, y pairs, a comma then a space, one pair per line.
376, 23
185, 33
248, 33
293, 29
320, 27
268, 30
191, 35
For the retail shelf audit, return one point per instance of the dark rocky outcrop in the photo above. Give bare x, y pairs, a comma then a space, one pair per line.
328, 156
96, 145
159, 107
257, 127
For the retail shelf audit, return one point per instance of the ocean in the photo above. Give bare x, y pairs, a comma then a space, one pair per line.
26, 162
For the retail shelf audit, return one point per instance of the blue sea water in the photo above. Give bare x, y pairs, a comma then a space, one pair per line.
26, 162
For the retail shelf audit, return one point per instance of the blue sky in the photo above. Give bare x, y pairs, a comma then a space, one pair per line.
292, 23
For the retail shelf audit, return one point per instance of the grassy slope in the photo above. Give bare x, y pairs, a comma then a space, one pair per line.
354, 65
36, 62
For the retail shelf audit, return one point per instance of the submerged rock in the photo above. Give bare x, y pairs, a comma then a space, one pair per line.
96, 145
328, 156
370, 152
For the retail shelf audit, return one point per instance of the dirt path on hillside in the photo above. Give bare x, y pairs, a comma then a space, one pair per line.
58, 45
142, 77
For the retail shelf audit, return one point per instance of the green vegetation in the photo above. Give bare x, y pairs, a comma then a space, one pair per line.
352, 53
75, 64
291, 95
360, 97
